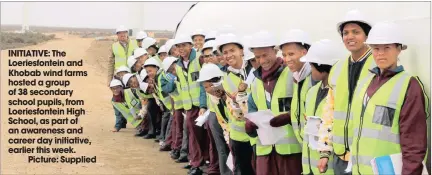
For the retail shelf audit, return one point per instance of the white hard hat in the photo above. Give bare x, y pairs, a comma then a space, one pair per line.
295, 36
147, 42
209, 71
121, 29
152, 61
122, 69
126, 78
198, 32
167, 62
141, 35
211, 35
162, 49
209, 45
247, 53
324, 51
142, 75
262, 39
131, 61
115, 82
353, 16
228, 38
143, 85
139, 52
386, 33
182, 39
169, 44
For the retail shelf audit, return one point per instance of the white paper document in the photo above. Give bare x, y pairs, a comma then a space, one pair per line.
267, 134
230, 162
312, 125
202, 118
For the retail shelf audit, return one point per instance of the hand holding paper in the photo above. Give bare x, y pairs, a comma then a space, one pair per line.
267, 134
202, 118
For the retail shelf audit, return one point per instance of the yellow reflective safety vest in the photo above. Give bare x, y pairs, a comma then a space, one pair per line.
342, 124
376, 121
124, 109
132, 101
164, 97
289, 144
121, 54
190, 88
298, 106
223, 121
237, 128
311, 157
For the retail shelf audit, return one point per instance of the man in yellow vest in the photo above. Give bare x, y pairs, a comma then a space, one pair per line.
194, 98
269, 92
343, 79
120, 51
232, 50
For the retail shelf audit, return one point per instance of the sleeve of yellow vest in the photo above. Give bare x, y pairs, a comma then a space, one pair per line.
203, 97
325, 134
110, 66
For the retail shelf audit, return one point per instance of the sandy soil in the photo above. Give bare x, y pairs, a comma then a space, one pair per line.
117, 153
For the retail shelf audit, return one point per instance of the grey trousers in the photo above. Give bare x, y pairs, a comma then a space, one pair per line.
168, 130
165, 124
185, 141
339, 166
221, 145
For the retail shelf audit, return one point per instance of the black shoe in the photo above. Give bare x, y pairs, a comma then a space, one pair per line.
157, 140
140, 134
188, 166
182, 160
123, 126
149, 136
196, 171
165, 148
175, 154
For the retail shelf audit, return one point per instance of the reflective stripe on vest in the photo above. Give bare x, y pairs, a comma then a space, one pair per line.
297, 114
309, 155
132, 102
121, 55
289, 144
167, 99
338, 77
376, 121
190, 88
230, 84
126, 113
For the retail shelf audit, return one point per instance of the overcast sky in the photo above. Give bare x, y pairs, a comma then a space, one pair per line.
151, 15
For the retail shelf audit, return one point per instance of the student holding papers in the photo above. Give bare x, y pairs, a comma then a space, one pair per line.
389, 108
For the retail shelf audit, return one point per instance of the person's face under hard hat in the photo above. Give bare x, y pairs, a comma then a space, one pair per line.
266, 56
143, 58
207, 54
353, 37
163, 55
116, 90
172, 69
184, 49
119, 75
254, 63
175, 52
198, 41
208, 86
292, 53
138, 66
122, 36
316, 75
220, 58
151, 51
233, 55
213, 58
139, 42
385, 55
133, 82
151, 71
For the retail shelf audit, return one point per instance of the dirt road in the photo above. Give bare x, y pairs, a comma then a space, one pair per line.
117, 153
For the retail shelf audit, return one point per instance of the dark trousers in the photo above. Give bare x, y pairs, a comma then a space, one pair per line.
166, 115
170, 132
276, 164
221, 145
242, 154
213, 167
153, 115
197, 138
177, 133
120, 121
339, 166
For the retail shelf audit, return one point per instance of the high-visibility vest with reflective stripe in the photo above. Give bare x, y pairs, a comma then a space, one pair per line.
190, 88
175, 95
132, 102
311, 157
376, 122
121, 54
165, 98
288, 144
222, 122
126, 113
237, 128
338, 81
297, 114
142, 94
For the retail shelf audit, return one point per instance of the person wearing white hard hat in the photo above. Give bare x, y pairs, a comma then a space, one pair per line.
118, 74
198, 38
141, 35
118, 97
150, 45
172, 49
207, 52
271, 91
136, 61
162, 53
390, 109
232, 50
343, 79
194, 97
120, 51
321, 56
169, 84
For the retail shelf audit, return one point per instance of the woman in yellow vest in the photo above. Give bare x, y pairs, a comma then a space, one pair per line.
321, 56
389, 109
